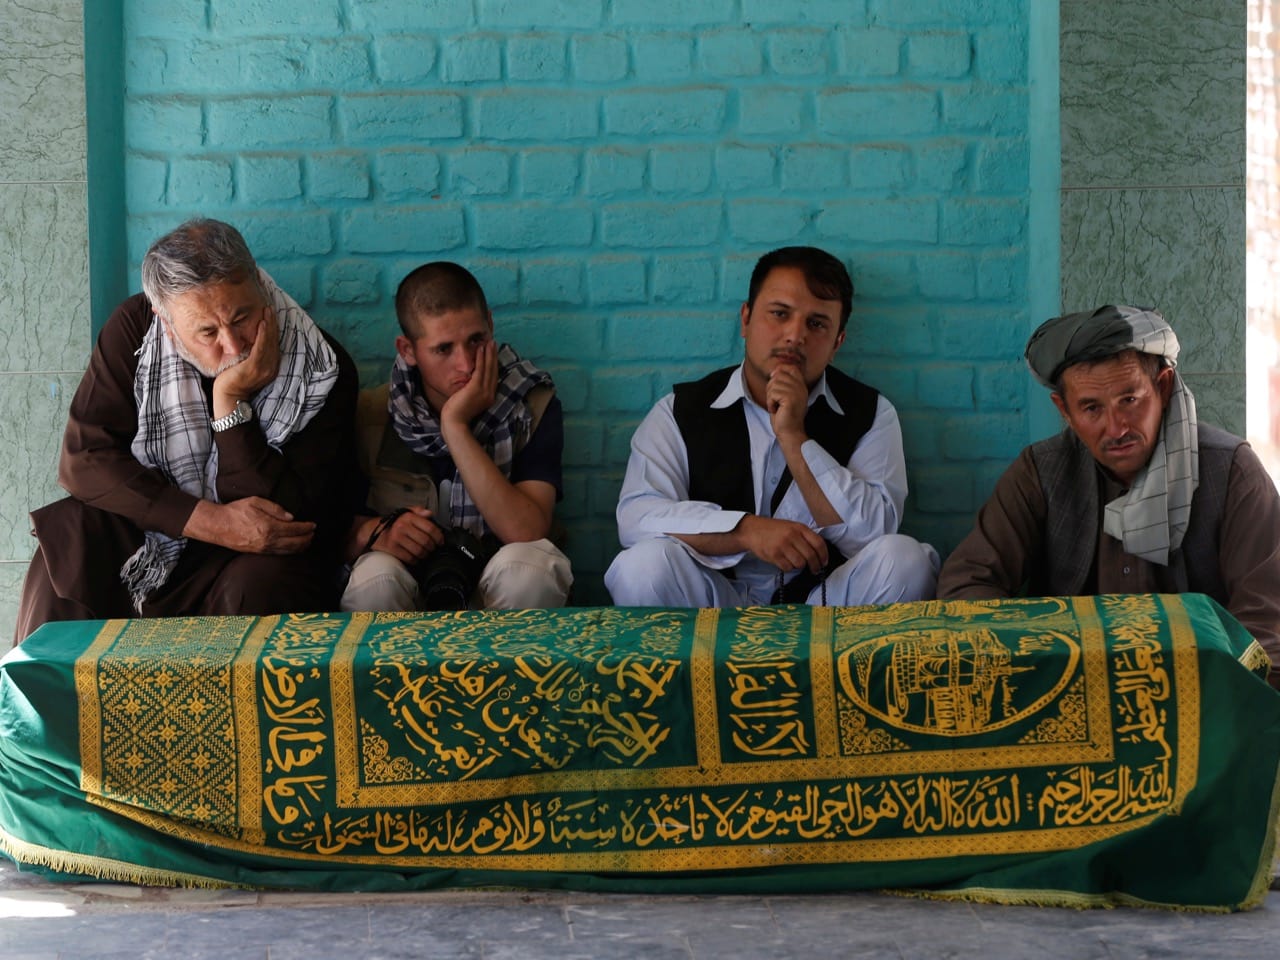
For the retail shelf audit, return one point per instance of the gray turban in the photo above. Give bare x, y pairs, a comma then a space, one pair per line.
1151, 518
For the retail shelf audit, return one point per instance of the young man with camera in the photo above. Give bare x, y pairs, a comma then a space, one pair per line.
462, 454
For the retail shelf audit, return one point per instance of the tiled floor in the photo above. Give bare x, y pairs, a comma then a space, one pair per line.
46, 921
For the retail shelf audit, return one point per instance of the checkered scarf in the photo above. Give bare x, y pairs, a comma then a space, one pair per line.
1152, 517
502, 430
174, 435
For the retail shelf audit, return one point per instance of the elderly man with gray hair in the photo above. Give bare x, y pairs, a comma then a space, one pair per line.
207, 453
1135, 495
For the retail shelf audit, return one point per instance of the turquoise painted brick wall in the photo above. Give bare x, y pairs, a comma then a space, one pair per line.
611, 169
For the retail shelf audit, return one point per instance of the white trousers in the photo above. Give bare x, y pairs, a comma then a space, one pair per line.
519, 576
661, 573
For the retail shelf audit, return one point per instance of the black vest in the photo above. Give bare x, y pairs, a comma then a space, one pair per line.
719, 448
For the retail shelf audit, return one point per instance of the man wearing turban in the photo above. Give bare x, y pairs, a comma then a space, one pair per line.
1134, 496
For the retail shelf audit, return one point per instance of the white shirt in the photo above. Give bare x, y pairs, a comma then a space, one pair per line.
868, 492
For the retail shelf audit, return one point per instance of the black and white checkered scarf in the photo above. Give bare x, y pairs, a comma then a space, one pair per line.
174, 435
1152, 517
502, 430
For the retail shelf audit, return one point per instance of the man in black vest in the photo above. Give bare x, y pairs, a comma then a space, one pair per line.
778, 481
1135, 496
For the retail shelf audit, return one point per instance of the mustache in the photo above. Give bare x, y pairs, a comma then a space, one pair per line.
788, 352
1120, 441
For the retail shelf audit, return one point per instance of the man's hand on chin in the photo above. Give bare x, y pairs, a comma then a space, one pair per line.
261, 365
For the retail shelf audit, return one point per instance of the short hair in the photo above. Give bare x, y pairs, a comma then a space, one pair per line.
825, 276
199, 252
1151, 364
436, 288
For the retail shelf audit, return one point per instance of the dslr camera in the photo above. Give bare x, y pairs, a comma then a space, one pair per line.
449, 575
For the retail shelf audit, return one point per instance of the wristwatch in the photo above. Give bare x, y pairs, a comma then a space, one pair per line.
242, 412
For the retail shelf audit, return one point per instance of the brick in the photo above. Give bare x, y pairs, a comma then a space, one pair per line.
946, 387
942, 165
548, 173
975, 333
942, 12
768, 221
1002, 275
735, 272
613, 280
146, 181
947, 275
471, 59
243, 65
551, 281
834, 12
194, 182
984, 222
617, 441
680, 171
938, 54
540, 117
500, 226
163, 125
574, 504
164, 18
628, 390
279, 235
338, 177
990, 113
232, 17
350, 282
896, 381
536, 57
730, 53
921, 439
479, 172
268, 178
659, 57
260, 121
880, 221
579, 14
612, 170
773, 110
799, 52
992, 436
373, 118
407, 174
147, 64
1000, 55
394, 16
887, 274
599, 59
571, 387
1004, 166
428, 229
688, 111
1002, 386
810, 167
862, 114
660, 224
672, 12
658, 335
293, 278
879, 167
869, 53
341, 63
500, 281
684, 280
944, 488
403, 59
744, 168
893, 330
558, 336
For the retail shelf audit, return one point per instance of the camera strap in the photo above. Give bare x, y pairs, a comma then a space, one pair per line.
383, 526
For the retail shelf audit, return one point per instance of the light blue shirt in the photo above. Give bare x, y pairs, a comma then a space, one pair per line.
868, 492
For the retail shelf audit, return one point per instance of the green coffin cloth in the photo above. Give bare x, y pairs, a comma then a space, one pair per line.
1082, 751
